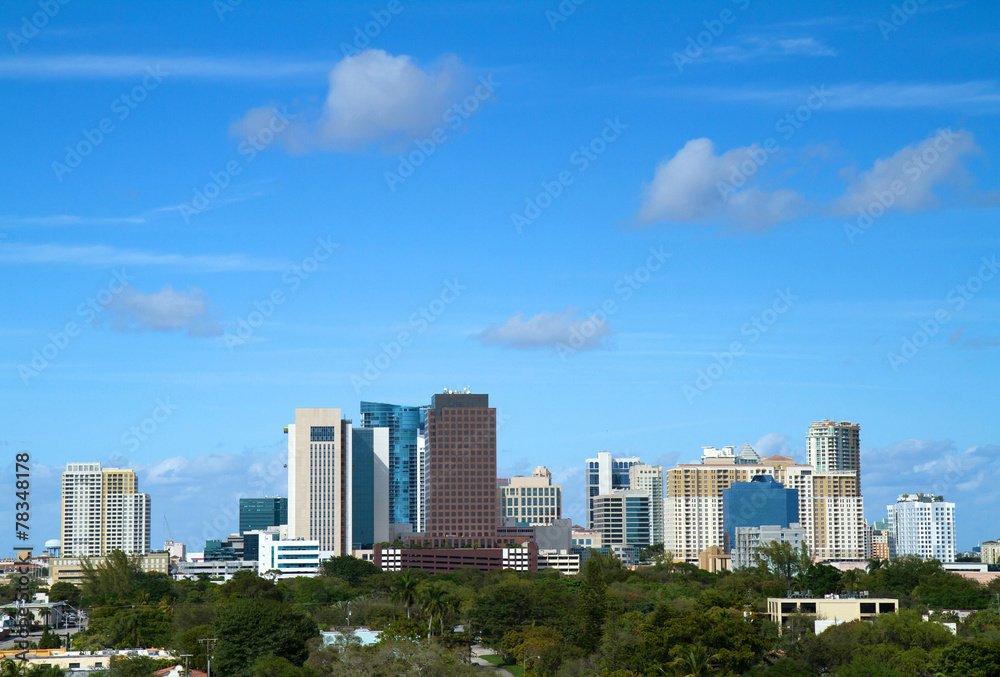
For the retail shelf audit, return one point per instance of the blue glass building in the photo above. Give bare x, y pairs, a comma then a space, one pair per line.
257, 514
760, 502
403, 423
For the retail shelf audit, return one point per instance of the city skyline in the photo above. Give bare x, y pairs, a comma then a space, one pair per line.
640, 228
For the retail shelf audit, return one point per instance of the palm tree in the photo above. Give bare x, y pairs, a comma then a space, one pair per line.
693, 661
404, 589
433, 601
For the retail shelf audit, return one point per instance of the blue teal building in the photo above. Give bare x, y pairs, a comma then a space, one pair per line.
760, 502
369, 487
257, 514
404, 423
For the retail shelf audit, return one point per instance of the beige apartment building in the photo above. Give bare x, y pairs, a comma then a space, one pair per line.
102, 511
533, 500
830, 507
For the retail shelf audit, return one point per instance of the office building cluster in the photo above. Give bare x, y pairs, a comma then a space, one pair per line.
417, 486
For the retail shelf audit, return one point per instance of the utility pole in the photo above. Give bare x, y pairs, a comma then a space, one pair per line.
209, 645
186, 656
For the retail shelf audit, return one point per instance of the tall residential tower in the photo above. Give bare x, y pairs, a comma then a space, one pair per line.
102, 511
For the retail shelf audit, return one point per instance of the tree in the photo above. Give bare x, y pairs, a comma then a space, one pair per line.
693, 660
508, 605
433, 601
49, 640
593, 605
115, 576
249, 628
65, 592
970, 659
248, 585
404, 589
352, 570
780, 559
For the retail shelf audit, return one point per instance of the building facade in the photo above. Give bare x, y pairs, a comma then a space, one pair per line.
747, 541
530, 501
831, 511
622, 518
261, 513
604, 475
319, 471
461, 477
649, 478
924, 526
103, 511
289, 558
442, 560
834, 446
759, 502
370, 494
989, 552
404, 424
883, 541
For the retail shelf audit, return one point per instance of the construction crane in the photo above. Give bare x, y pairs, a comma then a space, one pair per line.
168, 528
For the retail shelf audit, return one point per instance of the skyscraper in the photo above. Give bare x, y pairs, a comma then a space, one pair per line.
261, 513
319, 487
834, 446
924, 526
103, 511
604, 475
369, 487
649, 478
461, 454
622, 519
757, 503
531, 501
404, 424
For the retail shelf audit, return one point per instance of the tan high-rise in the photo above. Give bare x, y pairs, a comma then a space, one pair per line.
319, 486
103, 511
830, 508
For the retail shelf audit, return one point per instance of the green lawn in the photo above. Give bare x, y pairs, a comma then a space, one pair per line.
515, 670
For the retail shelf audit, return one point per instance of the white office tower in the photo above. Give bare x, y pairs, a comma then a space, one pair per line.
605, 475
924, 526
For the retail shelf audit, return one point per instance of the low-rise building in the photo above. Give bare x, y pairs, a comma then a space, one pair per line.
749, 540
83, 660
289, 557
213, 569
563, 561
843, 608
441, 560
70, 569
989, 552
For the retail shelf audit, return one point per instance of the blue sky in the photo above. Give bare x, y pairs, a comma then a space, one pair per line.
637, 227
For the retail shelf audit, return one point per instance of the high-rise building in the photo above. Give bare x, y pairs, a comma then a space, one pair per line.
757, 503
834, 446
261, 513
883, 541
461, 477
369, 487
319, 487
103, 511
604, 475
649, 478
530, 501
830, 508
924, 526
622, 519
404, 424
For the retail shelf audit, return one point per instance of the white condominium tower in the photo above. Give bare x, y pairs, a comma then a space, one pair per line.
102, 511
923, 526
834, 446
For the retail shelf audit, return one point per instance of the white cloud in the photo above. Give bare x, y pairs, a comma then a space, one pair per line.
909, 178
165, 310
125, 66
773, 444
547, 330
375, 98
760, 48
696, 185
67, 220
106, 256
